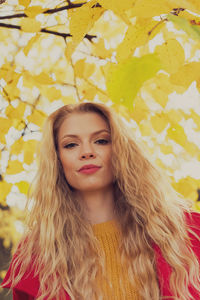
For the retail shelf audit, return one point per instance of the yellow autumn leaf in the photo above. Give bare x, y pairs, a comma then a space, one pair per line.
158, 88
186, 74
137, 35
118, 7
5, 189
33, 11
83, 19
11, 91
197, 206
90, 93
79, 68
28, 80
194, 49
23, 186
151, 8
193, 196
89, 70
29, 151
28, 157
145, 128
171, 54
16, 113
24, 2
16, 147
177, 133
122, 111
192, 149
160, 163
83, 69
5, 124
166, 149
186, 186
51, 93
69, 50
30, 44
64, 74
159, 122
81, 22
19, 124
87, 90
43, 78
171, 35
196, 119
140, 110
30, 25
103, 97
158, 95
2, 139
7, 72
68, 99
174, 115
195, 5
100, 51
14, 167
37, 118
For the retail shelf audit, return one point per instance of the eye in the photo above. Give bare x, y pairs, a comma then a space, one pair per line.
69, 145
102, 141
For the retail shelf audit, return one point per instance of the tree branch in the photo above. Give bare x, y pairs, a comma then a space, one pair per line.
62, 34
10, 26
48, 11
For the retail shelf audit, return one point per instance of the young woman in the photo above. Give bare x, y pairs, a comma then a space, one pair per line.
105, 223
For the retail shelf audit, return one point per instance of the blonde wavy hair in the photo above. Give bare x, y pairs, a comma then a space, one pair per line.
61, 242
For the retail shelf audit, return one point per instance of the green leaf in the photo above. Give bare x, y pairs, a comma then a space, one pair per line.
192, 30
124, 80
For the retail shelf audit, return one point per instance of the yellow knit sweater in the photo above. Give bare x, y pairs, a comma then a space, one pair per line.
119, 288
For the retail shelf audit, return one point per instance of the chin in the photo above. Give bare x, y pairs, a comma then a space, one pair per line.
91, 187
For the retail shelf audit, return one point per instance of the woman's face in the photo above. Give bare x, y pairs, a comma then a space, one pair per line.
83, 139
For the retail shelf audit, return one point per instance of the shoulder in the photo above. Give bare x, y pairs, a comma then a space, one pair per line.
28, 287
192, 220
163, 269
29, 283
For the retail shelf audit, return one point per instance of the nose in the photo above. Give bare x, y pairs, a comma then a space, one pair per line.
87, 155
87, 151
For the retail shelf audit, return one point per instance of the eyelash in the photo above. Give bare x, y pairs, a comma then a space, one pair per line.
68, 145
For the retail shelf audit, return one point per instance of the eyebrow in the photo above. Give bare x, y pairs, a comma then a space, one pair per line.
94, 133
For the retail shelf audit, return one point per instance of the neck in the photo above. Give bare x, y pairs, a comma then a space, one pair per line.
98, 205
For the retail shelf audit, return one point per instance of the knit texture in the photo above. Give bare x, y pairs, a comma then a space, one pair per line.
118, 287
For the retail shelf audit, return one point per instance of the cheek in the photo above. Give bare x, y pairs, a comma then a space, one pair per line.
67, 161
68, 169
108, 156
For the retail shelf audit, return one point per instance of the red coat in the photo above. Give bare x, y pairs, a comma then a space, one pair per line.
28, 287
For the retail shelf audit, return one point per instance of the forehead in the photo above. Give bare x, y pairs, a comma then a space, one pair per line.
78, 123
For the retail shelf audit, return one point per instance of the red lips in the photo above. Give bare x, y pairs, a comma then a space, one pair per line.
88, 167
